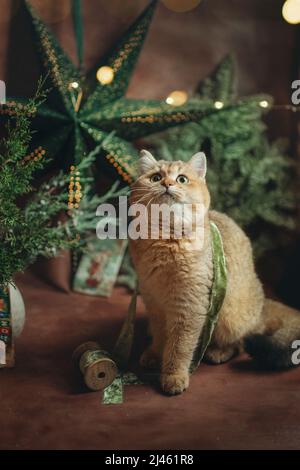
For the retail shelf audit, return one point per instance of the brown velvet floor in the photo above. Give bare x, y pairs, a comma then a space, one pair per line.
44, 405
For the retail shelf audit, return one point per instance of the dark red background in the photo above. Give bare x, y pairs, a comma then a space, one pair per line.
180, 50
233, 406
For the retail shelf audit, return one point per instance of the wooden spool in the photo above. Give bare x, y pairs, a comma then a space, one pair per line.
97, 367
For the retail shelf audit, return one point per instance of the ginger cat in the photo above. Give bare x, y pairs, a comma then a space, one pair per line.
175, 279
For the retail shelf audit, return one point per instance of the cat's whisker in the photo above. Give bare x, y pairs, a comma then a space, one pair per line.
152, 191
139, 189
144, 197
139, 193
150, 201
176, 191
144, 203
141, 199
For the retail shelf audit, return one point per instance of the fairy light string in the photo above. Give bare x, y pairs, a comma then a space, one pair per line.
76, 95
75, 194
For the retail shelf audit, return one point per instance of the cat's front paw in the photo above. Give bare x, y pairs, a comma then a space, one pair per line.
149, 359
174, 384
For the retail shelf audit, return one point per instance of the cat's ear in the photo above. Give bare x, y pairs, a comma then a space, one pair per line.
198, 163
147, 162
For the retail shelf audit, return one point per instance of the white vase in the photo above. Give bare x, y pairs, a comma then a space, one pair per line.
17, 309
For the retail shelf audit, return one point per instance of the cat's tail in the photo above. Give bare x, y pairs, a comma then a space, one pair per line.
278, 345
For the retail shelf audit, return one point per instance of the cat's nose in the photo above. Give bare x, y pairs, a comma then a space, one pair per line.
167, 182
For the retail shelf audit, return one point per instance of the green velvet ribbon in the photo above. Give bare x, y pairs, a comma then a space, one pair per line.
124, 342
217, 295
113, 394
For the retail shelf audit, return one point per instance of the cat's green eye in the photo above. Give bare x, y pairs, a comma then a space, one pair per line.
182, 179
155, 178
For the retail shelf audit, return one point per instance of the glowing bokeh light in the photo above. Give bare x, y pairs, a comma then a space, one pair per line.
177, 98
291, 11
105, 75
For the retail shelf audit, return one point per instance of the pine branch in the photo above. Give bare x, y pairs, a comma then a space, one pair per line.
249, 178
34, 227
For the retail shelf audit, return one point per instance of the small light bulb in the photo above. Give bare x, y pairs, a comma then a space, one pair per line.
219, 104
291, 11
264, 104
177, 98
74, 85
105, 75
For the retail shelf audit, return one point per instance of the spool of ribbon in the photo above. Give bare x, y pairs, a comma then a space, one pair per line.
96, 365
99, 368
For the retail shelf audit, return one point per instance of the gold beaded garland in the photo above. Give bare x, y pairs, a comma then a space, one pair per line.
112, 159
35, 155
74, 196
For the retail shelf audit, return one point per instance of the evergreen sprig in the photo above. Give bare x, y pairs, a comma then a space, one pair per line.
249, 178
38, 222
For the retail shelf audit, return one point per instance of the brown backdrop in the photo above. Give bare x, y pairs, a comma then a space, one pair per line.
180, 50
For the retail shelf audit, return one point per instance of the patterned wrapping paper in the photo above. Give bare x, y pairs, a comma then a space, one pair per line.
98, 269
114, 393
5, 325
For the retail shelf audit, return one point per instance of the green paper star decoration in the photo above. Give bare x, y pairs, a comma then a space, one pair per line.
80, 112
